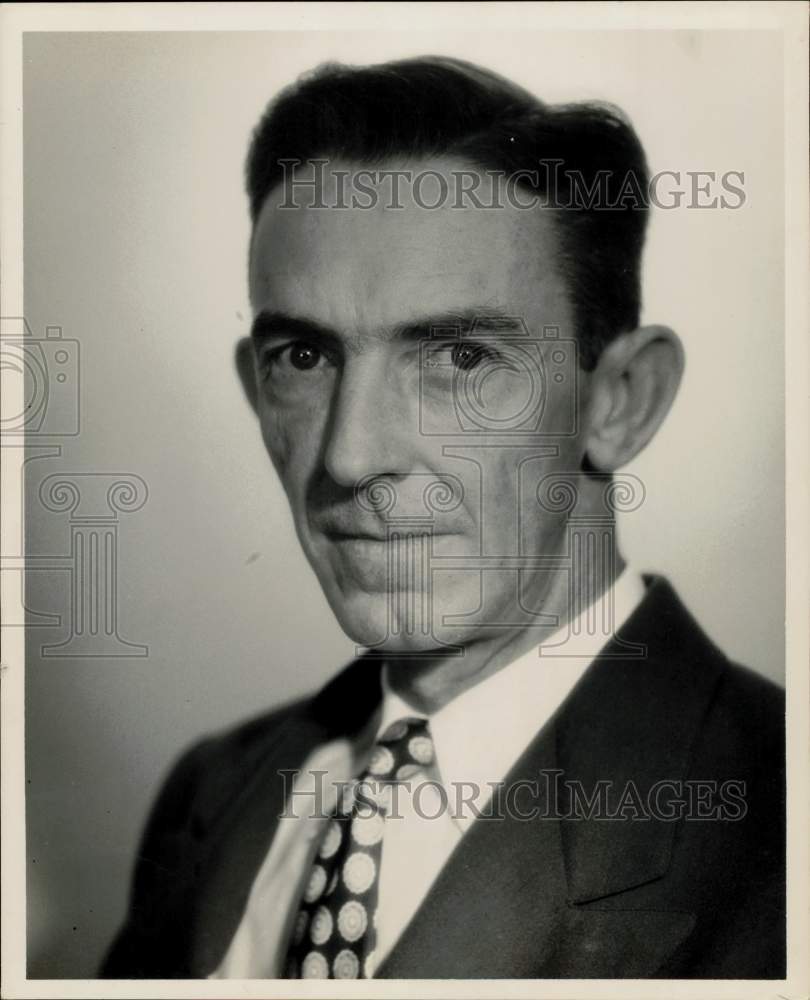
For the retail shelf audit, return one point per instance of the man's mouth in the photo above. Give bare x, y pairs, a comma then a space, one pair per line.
373, 539
339, 535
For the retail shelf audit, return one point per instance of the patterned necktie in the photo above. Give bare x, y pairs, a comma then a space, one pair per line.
334, 934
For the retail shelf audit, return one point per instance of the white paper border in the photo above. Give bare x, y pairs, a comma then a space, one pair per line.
791, 20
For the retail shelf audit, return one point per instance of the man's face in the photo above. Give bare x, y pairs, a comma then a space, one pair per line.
420, 347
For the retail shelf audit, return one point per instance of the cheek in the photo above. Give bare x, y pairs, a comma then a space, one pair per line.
294, 437
276, 436
291, 441
512, 478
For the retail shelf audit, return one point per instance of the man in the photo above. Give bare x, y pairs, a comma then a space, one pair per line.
448, 370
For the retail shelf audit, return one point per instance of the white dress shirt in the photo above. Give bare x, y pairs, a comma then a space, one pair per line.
477, 736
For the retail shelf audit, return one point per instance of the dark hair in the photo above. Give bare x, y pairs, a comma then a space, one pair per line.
437, 106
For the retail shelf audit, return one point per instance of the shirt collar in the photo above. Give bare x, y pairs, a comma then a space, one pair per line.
482, 732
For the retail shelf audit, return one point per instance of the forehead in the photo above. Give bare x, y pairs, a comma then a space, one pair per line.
366, 268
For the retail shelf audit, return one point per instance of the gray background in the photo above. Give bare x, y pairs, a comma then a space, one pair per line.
135, 243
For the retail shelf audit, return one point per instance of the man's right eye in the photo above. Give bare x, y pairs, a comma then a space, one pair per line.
299, 355
304, 356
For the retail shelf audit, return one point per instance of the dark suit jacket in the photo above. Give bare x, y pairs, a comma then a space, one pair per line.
542, 898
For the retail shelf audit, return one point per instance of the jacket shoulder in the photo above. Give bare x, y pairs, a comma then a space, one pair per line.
252, 735
199, 784
749, 706
213, 768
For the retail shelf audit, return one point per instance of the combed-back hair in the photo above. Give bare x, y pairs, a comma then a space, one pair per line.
434, 106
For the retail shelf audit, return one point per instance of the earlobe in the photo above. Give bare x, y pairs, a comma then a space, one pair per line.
245, 358
633, 387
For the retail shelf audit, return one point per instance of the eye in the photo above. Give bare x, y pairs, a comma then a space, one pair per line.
295, 356
468, 355
304, 356
459, 355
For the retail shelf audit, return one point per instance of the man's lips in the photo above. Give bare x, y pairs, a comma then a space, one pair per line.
342, 534
349, 535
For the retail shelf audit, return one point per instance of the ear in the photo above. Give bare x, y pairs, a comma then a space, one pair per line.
632, 388
245, 357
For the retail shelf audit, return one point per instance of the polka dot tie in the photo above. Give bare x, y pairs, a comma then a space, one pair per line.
334, 933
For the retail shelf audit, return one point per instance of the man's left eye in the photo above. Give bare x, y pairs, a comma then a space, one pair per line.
463, 356
467, 356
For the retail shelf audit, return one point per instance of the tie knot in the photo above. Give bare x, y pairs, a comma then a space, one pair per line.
403, 749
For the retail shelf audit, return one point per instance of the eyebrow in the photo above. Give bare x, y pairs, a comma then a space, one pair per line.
269, 324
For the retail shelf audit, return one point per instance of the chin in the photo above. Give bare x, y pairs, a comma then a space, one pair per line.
368, 620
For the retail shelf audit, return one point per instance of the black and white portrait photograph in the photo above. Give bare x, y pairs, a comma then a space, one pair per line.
405, 500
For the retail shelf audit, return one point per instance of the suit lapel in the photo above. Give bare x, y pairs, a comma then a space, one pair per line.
238, 836
525, 898
634, 723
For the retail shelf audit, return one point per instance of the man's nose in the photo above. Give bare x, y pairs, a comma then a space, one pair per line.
369, 429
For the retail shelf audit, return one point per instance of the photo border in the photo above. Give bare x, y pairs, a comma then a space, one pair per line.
790, 20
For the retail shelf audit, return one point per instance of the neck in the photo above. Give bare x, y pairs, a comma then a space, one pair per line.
429, 683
